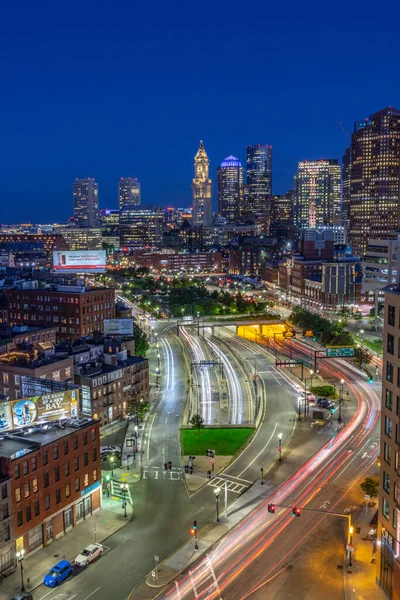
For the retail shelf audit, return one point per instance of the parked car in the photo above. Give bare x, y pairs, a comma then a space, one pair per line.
89, 554
106, 449
23, 596
59, 573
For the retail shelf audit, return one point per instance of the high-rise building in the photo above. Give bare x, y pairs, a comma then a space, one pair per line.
374, 178
388, 562
141, 226
201, 189
282, 208
128, 192
230, 188
86, 202
317, 193
346, 168
258, 190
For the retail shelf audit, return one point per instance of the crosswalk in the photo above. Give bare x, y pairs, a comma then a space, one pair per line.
175, 474
234, 484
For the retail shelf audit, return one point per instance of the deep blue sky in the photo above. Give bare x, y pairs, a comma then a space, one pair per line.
116, 89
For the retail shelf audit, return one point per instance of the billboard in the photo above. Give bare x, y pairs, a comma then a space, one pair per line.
81, 261
118, 326
38, 409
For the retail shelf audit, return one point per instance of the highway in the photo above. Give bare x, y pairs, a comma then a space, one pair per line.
263, 544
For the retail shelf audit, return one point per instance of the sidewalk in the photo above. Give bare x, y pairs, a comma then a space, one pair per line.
96, 528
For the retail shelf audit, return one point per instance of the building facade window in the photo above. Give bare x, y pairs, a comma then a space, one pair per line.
18, 494
77, 484
55, 452
58, 496
389, 371
391, 315
388, 426
17, 473
66, 468
388, 399
57, 473
37, 508
28, 513
385, 508
19, 518
76, 463
34, 463
390, 343
47, 502
46, 479
386, 482
66, 447
68, 490
35, 485
26, 489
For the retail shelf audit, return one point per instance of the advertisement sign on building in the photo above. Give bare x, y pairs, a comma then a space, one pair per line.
81, 261
118, 326
38, 409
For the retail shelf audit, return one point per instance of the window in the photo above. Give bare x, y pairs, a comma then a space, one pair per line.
389, 398
389, 371
67, 490
94, 454
387, 453
18, 494
34, 463
56, 376
37, 508
388, 426
65, 447
390, 343
66, 468
75, 442
45, 457
19, 518
386, 482
391, 315
47, 502
77, 484
86, 479
35, 485
76, 463
93, 434
385, 508
25, 468
4, 493
398, 406
46, 479
55, 452
57, 473
5, 377
85, 438
94, 474
67, 372
58, 496
85, 459
17, 473
26, 489
28, 512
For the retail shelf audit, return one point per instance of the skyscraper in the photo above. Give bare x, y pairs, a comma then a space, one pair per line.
374, 178
128, 192
346, 169
230, 188
86, 202
201, 189
258, 191
282, 208
317, 193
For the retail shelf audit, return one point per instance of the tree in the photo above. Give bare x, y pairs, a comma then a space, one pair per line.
370, 487
141, 341
362, 356
197, 421
131, 409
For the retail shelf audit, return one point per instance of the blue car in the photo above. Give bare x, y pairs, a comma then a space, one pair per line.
58, 573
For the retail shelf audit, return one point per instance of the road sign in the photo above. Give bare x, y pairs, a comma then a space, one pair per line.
347, 351
279, 448
349, 548
333, 351
287, 363
212, 461
156, 558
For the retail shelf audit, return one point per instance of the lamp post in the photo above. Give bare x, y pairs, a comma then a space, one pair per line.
362, 333
136, 434
112, 458
350, 532
340, 401
280, 446
217, 491
20, 559
124, 491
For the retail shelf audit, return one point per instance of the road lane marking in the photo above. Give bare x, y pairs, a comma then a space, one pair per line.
94, 591
261, 451
148, 441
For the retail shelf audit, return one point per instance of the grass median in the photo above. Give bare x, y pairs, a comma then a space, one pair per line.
226, 441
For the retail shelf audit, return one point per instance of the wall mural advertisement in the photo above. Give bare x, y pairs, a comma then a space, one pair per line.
38, 409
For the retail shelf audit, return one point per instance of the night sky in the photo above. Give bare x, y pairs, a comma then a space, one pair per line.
111, 89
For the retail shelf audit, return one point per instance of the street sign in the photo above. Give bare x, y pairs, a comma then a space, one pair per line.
156, 558
287, 363
308, 333
347, 351
279, 448
349, 548
212, 461
333, 351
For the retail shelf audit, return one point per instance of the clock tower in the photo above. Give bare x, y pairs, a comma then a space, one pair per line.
201, 189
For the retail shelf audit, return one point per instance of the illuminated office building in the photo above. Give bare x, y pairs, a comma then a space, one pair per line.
374, 178
86, 202
282, 208
230, 188
258, 189
346, 168
201, 189
317, 193
128, 192
141, 226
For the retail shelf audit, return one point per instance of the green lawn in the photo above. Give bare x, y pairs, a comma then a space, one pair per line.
376, 345
225, 442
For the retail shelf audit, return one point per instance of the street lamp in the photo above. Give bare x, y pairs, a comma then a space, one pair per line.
20, 559
216, 492
136, 433
350, 540
362, 333
280, 446
340, 401
124, 491
112, 458
311, 375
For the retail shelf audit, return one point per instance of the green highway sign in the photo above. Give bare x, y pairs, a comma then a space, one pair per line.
338, 351
333, 351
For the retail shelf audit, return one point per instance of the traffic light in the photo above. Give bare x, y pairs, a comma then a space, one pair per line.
208, 474
186, 468
194, 528
169, 464
295, 511
165, 466
210, 453
371, 380
271, 508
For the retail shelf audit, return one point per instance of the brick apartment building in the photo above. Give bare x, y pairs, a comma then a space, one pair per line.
75, 311
7, 545
55, 479
11, 337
